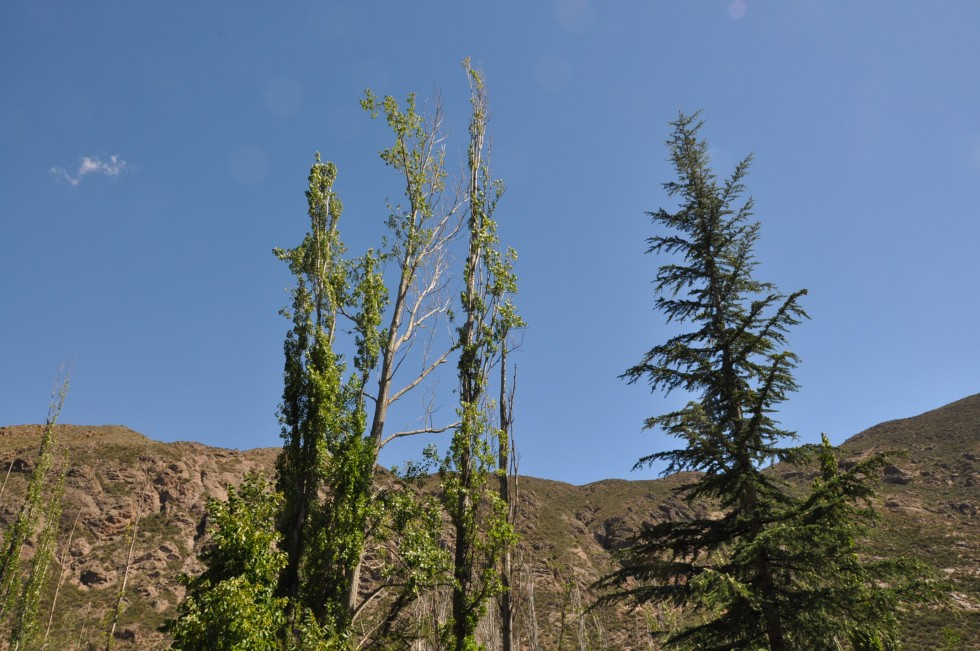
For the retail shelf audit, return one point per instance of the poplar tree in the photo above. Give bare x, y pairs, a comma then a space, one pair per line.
478, 514
775, 570
36, 525
382, 307
325, 470
233, 603
334, 420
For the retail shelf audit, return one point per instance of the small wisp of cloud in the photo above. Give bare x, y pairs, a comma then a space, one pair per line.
112, 168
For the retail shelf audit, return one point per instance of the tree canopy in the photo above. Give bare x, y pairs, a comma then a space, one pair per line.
764, 567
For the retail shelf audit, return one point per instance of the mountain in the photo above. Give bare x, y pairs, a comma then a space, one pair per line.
928, 502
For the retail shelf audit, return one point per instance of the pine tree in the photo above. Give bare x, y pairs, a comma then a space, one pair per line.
774, 571
833, 595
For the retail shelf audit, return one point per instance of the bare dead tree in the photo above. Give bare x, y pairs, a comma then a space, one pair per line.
532, 613
581, 634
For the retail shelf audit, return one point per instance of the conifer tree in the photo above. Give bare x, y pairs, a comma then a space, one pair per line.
774, 571
834, 595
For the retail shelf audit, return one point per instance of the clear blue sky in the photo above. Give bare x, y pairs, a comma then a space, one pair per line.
152, 154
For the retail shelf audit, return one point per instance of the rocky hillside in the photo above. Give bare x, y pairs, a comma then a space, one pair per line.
929, 502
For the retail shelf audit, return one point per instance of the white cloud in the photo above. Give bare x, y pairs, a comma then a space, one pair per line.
112, 168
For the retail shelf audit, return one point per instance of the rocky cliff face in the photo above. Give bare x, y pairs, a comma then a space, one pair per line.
120, 481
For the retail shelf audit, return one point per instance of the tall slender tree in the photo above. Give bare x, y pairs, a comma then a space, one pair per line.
758, 576
334, 427
420, 232
479, 517
383, 307
507, 478
325, 469
36, 525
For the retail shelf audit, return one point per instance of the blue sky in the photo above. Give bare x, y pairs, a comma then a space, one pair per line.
152, 154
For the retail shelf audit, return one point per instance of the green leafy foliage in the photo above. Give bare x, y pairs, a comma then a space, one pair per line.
333, 508
233, 606
325, 470
479, 516
36, 525
334, 511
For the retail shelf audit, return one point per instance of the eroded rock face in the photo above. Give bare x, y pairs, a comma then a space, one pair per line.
615, 533
966, 508
895, 475
127, 634
96, 577
120, 482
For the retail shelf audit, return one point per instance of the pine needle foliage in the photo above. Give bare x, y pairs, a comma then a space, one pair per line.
770, 569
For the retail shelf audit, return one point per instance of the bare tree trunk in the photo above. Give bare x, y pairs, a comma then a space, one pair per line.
600, 633
6, 477
462, 565
564, 613
65, 557
129, 562
417, 301
504, 473
581, 635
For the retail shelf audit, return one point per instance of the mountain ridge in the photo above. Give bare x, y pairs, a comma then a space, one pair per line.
928, 501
